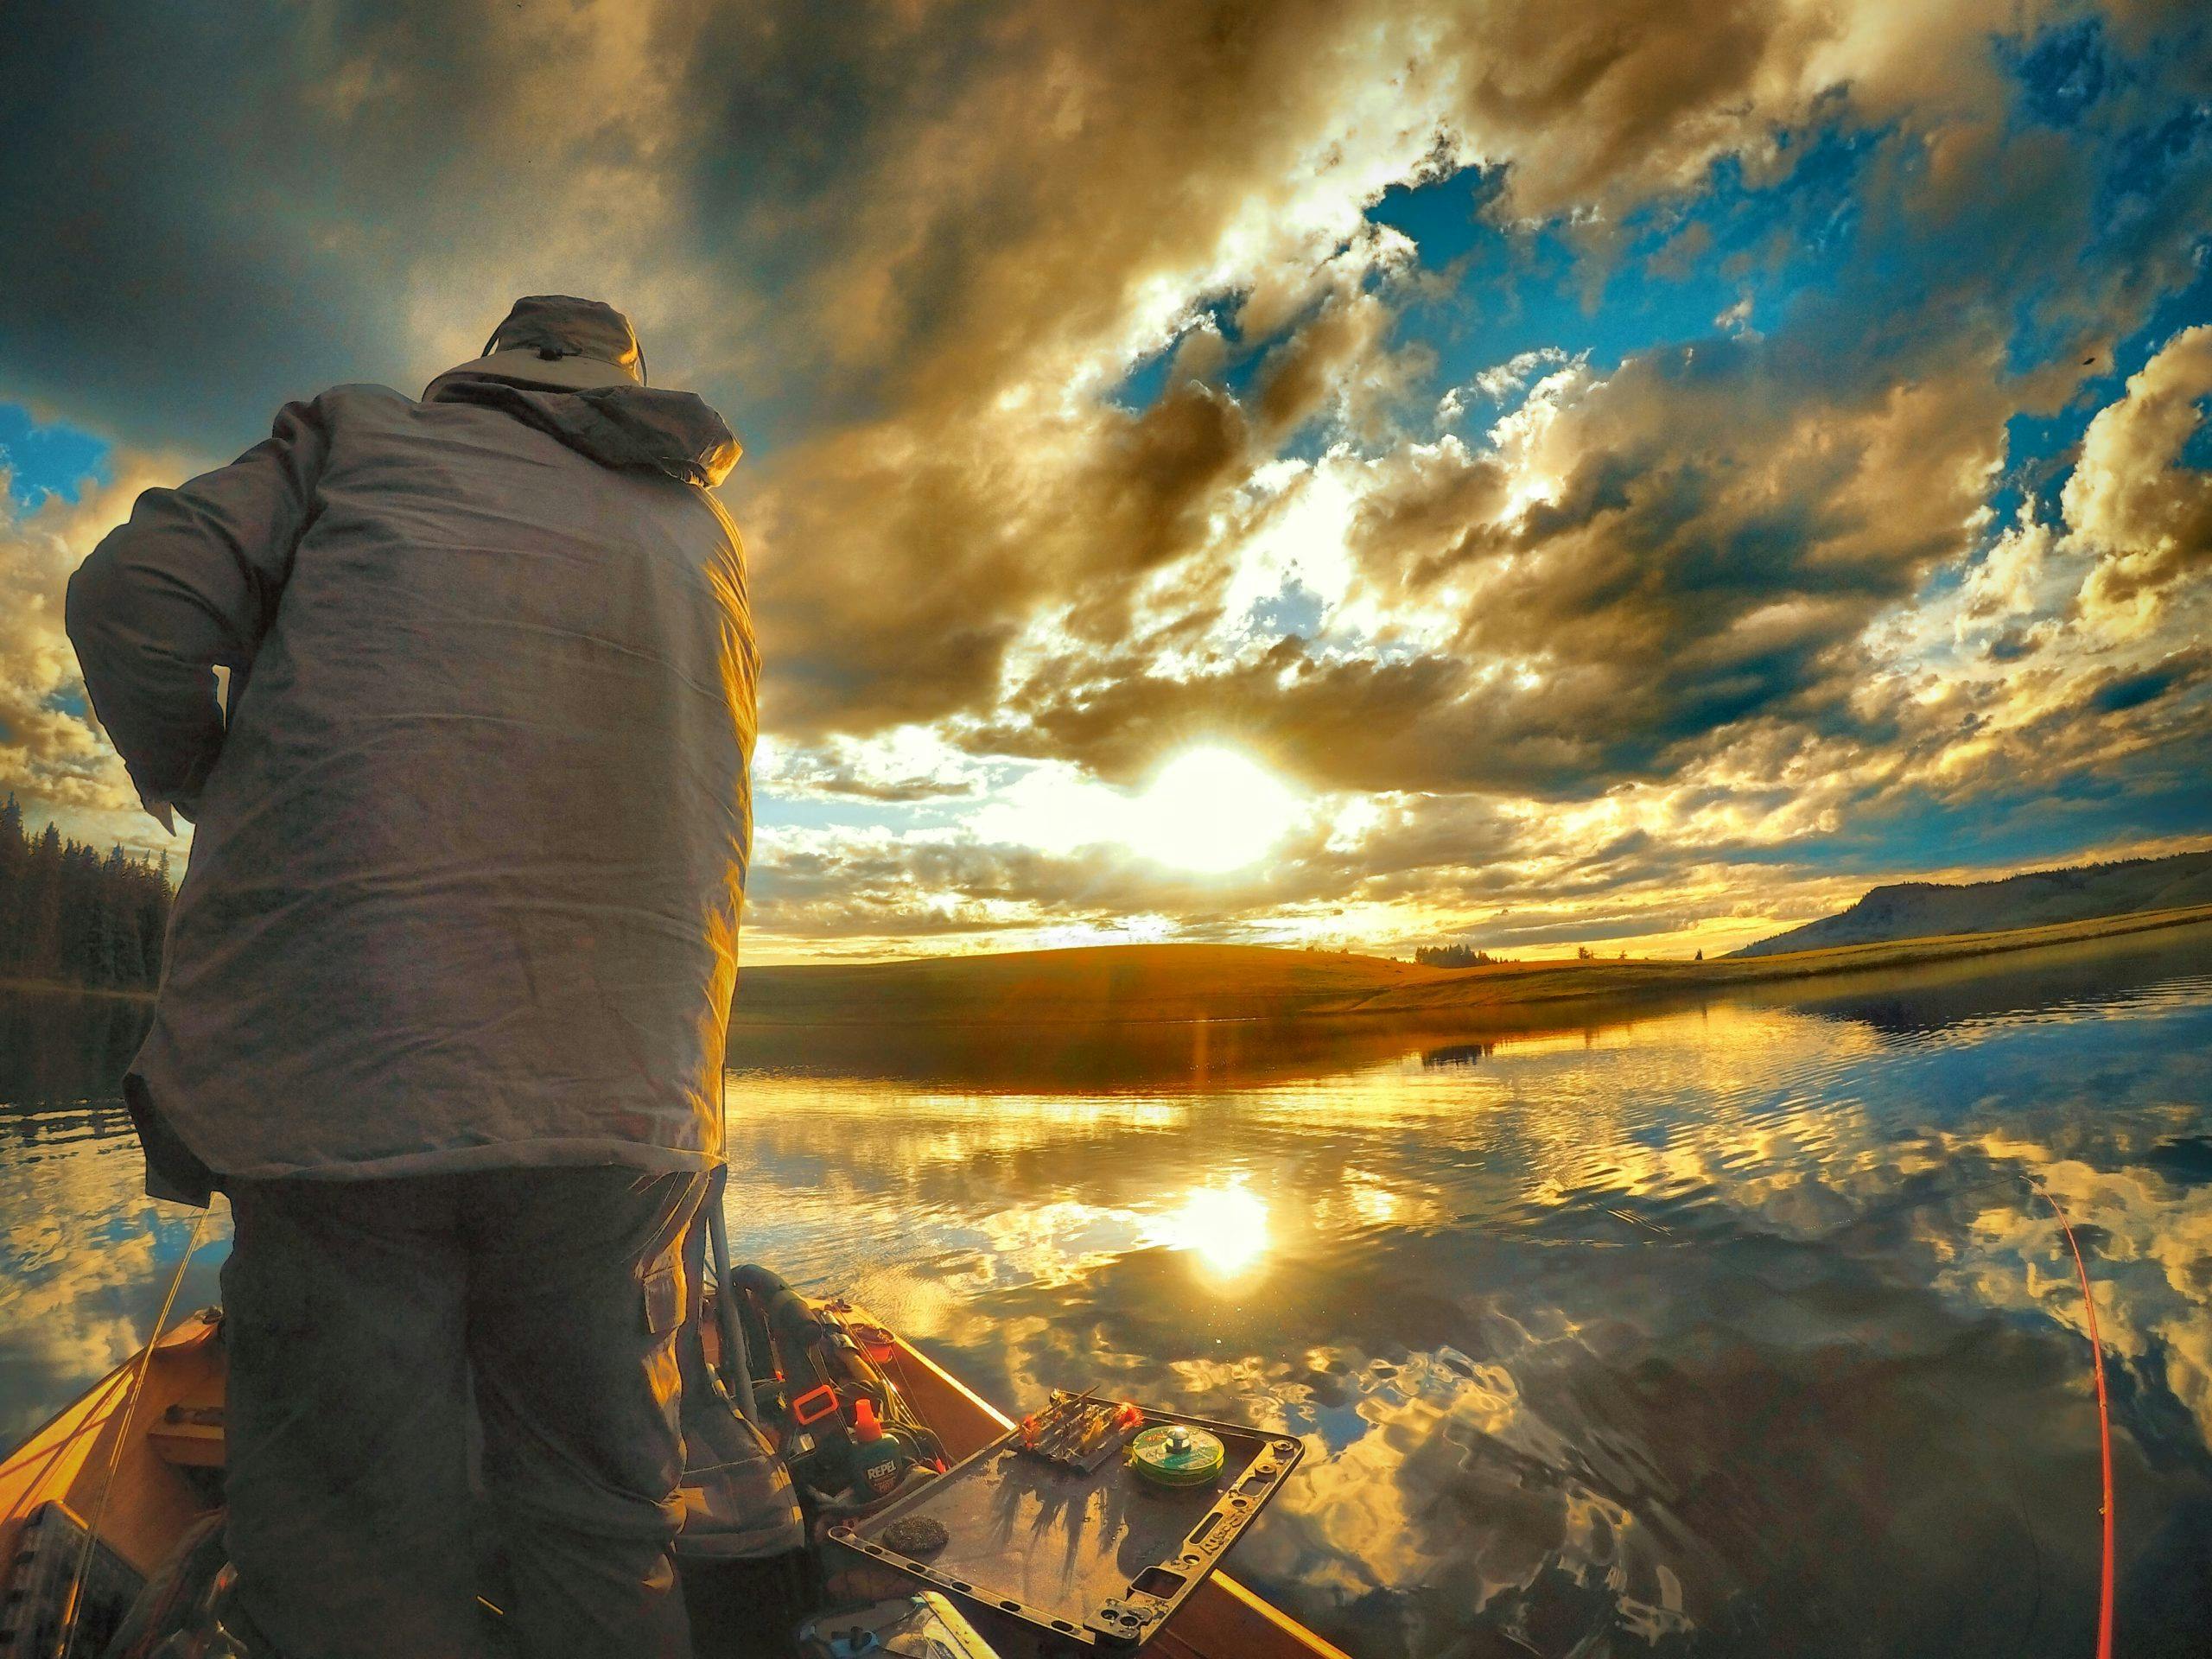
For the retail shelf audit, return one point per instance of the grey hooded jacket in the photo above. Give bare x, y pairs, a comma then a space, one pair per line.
471, 843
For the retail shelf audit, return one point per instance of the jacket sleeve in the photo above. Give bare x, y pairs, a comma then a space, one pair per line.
189, 583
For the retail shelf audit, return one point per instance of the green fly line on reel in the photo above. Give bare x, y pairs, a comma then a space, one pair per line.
1174, 1454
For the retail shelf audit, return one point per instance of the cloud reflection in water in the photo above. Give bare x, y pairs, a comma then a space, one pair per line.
1733, 1330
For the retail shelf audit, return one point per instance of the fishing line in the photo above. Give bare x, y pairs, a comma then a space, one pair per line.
71, 1608
907, 1395
2104, 1422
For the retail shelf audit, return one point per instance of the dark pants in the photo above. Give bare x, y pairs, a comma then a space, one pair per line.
367, 1320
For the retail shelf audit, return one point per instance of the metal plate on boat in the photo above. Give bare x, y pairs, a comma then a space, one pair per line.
1097, 1558
49, 1555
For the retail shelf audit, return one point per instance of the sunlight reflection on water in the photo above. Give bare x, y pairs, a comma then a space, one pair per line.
1732, 1329
1225, 1228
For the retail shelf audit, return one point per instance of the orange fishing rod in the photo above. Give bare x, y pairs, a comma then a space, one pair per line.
2104, 1423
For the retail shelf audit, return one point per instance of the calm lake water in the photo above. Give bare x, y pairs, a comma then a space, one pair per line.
1728, 1329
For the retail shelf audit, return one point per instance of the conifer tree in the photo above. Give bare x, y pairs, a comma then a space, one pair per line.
69, 916
14, 853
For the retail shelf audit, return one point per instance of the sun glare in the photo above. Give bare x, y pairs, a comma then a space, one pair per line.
1224, 1228
1209, 810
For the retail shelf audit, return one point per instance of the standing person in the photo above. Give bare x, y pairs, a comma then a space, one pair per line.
451, 968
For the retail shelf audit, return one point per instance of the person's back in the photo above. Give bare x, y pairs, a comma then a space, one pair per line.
450, 967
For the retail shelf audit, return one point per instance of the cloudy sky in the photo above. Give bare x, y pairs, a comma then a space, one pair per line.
1368, 471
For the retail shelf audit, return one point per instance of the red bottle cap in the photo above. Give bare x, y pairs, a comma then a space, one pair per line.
865, 1427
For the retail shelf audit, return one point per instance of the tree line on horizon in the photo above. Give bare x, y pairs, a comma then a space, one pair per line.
73, 915
1452, 956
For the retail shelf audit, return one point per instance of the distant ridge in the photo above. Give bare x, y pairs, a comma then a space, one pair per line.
1126, 985
1912, 910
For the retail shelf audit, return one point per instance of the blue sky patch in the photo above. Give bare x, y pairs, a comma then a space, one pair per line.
52, 459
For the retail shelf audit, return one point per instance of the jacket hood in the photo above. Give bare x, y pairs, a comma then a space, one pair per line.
622, 426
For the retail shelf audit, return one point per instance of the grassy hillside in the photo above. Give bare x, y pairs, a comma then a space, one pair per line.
1141, 983
1912, 910
1129, 983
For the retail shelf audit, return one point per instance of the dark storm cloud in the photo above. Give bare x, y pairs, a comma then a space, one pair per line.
212, 209
155, 286
925, 557
1667, 589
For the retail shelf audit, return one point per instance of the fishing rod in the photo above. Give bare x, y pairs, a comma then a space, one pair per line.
2104, 1422
847, 1434
73, 1608
736, 1367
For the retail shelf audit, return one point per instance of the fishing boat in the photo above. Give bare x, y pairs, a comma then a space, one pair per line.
93, 1503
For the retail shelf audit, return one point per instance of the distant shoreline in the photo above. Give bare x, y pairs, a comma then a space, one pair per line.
1166, 984
1187, 984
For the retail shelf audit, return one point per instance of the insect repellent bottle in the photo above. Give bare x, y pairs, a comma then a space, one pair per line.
881, 1454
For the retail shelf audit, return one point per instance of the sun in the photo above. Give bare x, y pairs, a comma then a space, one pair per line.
1209, 810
